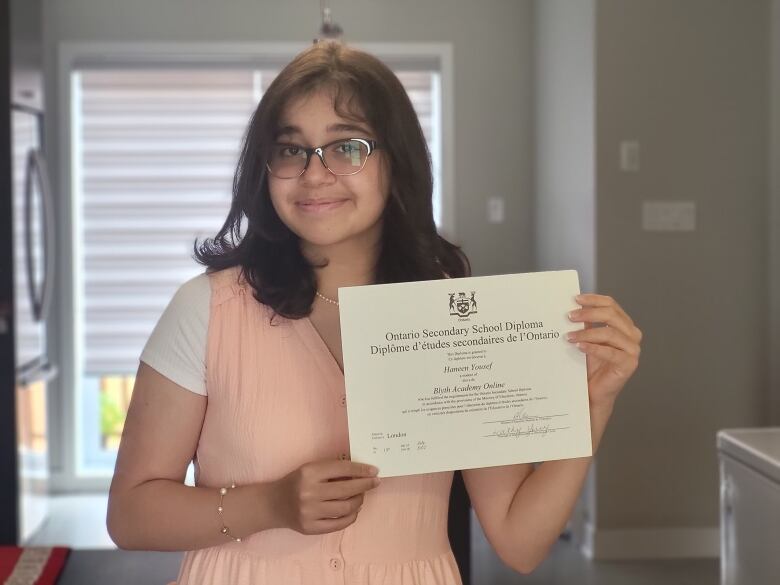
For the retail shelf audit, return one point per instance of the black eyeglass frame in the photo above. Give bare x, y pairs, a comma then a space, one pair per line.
371, 145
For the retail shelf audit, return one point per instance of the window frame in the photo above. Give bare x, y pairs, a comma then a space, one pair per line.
65, 340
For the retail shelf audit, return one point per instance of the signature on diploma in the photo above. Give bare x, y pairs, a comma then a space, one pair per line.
521, 431
523, 416
536, 425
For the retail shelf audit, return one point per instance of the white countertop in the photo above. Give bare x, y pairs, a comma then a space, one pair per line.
757, 447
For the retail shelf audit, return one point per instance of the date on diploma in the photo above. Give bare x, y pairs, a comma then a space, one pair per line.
464, 373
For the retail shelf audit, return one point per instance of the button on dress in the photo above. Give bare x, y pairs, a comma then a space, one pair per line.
276, 400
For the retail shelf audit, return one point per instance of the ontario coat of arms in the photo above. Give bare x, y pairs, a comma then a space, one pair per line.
462, 305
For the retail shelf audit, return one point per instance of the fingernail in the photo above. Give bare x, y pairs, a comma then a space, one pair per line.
373, 470
572, 315
570, 336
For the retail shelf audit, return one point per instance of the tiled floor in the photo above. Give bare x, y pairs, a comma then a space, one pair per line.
120, 567
79, 522
567, 566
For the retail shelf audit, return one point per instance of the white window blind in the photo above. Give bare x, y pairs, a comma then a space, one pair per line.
154, 155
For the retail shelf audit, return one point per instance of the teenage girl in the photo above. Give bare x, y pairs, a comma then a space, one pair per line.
243, 372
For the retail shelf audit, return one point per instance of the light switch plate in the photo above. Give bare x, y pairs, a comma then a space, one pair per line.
629, 156
669, 216
495, 209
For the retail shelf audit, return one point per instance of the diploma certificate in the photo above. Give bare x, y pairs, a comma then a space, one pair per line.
464, 372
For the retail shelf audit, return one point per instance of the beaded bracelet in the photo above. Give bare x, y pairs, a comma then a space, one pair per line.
225, 530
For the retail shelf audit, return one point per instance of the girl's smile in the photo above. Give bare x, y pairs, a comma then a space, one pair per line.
320, 206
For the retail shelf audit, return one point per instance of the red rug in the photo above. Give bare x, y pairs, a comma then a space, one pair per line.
31, 565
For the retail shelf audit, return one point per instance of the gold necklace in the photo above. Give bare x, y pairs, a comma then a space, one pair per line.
326, 299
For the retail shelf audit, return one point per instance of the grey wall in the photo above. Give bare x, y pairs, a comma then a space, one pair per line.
492, 55
565, 157
774, 215
689, 80
565, 181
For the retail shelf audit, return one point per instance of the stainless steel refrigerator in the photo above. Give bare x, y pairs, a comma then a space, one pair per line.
26, 275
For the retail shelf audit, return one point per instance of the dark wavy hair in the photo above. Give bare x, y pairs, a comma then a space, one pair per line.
365, 90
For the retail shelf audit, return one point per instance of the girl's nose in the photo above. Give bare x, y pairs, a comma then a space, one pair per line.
317, 171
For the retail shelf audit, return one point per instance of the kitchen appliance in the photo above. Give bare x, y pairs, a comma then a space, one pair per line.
749, 461
26, 275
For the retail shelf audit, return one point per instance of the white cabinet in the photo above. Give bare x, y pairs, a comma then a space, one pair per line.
749, 461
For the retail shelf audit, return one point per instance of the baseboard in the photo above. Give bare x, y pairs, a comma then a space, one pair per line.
650, 543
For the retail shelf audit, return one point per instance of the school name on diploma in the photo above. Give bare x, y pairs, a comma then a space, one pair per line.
460, 337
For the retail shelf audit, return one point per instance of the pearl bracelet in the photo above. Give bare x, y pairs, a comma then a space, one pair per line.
225, 530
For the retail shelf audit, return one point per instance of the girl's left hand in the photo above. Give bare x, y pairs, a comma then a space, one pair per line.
612, 352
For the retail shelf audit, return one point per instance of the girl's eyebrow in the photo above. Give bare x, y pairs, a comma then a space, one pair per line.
292, 130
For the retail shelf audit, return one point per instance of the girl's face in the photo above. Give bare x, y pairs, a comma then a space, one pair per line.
321, 208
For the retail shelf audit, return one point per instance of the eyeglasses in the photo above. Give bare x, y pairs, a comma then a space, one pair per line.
341, 157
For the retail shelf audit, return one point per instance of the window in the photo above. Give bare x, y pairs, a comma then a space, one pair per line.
153, 156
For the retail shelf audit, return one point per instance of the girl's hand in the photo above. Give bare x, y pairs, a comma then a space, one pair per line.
612, 351
323, 496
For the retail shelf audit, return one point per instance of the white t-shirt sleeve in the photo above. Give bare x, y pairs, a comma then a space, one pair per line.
177, 346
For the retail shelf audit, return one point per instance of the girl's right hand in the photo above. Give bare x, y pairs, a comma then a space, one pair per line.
322, 496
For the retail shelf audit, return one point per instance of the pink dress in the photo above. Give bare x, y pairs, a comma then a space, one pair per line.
276, 400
